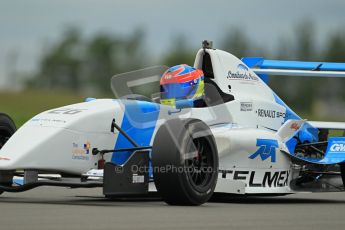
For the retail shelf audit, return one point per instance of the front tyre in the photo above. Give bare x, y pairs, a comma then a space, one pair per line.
185, 162
7, 128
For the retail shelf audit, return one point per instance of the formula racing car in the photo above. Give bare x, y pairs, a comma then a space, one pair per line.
242, 140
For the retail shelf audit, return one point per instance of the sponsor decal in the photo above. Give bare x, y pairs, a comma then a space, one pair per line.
295, 126
270, 113
48, 120
168, 76
87, 147
66, 111
267, 149
138, 179
4, 159
336, 145
255, 179
338, 148
81, 152
246, 106
242, 73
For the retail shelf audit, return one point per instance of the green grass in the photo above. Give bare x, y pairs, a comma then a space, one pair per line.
23, 105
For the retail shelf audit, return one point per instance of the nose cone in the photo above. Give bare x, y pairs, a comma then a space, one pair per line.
21, 150
61, 140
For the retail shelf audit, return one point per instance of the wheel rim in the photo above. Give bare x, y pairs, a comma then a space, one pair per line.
200, 165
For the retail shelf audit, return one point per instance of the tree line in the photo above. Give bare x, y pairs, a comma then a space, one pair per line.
86, 64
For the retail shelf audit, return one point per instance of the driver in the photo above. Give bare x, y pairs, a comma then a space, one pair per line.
182, 82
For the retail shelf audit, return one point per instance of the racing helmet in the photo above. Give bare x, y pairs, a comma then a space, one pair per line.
181, 82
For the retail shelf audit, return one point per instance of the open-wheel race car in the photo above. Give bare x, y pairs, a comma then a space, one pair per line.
242, 138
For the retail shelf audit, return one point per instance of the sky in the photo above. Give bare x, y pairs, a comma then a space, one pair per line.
27, 25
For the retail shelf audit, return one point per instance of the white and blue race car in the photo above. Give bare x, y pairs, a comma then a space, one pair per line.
246, 140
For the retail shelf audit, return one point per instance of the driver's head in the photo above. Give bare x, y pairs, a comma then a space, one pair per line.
181, 82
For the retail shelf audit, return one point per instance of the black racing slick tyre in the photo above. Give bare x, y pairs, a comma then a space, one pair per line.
7, 128
185, 162
342, 172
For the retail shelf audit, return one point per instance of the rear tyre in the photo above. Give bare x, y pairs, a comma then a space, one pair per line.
342, 171
185, 162
7, 128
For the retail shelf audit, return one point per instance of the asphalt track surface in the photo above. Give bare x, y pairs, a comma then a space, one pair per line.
63, 209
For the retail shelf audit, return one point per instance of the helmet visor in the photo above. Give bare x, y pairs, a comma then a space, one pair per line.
178, 90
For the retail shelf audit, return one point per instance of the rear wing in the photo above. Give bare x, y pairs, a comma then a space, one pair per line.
264, 67
328, 125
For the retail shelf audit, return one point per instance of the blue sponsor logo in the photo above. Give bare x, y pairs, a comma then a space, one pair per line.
267, 149
336, 145
242, 67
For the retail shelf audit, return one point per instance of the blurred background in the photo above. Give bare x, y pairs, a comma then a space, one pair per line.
54, 53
